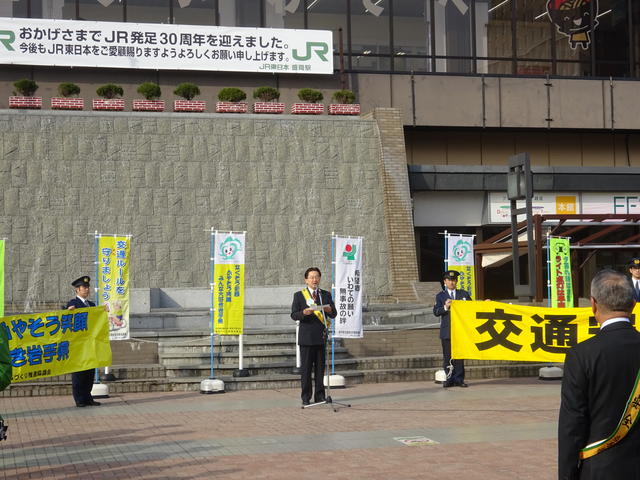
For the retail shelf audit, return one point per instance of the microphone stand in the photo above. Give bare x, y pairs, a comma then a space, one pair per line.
328, 400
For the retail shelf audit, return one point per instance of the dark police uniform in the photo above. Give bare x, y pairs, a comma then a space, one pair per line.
311, 338
82, 382
635, 262
456, 376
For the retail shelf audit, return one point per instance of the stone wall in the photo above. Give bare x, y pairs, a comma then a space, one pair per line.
167, 179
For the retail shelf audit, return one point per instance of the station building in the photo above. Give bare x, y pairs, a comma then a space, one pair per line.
472, 82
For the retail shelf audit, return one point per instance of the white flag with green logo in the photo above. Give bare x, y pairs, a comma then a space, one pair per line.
348, 287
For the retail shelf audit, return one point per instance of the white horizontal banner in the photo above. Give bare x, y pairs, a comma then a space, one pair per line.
72, 43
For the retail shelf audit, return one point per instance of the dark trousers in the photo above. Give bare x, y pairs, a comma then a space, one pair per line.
312, 359
81, 384
457, 375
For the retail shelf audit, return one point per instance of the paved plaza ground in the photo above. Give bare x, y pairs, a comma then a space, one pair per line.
495, 429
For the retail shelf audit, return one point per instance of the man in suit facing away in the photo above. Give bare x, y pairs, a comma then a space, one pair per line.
599, 378
453, 368
312, 333
82, 382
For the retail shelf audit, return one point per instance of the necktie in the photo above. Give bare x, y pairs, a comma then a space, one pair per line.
452, 294
637, 288
315, 296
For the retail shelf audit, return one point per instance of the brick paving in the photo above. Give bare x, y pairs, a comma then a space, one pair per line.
495, 429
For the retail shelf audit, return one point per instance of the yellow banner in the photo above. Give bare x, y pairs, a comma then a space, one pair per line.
113, 282
55, 343
500, 331
228, 299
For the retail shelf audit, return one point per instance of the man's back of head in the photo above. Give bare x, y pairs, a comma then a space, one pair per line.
611, 295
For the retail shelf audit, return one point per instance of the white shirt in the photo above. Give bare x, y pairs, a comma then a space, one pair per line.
613, 320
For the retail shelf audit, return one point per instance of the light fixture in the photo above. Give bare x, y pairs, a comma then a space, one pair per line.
540, 16
373, 8
497, 6
105, 3
312, 4
184, 3
604, 13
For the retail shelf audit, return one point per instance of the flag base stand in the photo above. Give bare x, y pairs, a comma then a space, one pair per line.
242, 372
100, 390
108, 377
440, 376
550, 373
334, 381
211, 385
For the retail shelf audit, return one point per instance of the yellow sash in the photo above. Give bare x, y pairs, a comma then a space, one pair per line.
628, 420
323, 318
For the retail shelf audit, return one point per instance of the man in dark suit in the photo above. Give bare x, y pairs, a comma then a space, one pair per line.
82, 382
634, 271
599, 376
312, 333
453, 368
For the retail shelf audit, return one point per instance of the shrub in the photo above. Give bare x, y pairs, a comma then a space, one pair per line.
26, 87
68, 89
344, 96
310, 95
150, 90
109, 91
266, 94
187, 90
231, 94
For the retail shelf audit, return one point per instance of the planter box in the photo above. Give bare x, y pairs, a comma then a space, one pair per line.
231, 107
25, 102
112, 104
66, 103
268, 107
148, 105
307, 108
344, 109
189, 106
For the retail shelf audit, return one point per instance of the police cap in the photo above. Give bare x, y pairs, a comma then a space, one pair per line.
81, 282
451, 274
634, 262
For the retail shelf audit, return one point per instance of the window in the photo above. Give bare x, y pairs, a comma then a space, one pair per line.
370, 37
194, 12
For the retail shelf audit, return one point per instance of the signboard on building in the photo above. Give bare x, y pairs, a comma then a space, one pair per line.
543, 203
616, 203
71, 43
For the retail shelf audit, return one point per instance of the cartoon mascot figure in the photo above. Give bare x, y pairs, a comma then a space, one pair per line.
573, 19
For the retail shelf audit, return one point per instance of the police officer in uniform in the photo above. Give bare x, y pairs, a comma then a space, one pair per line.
453, 368
82, 382
634, 271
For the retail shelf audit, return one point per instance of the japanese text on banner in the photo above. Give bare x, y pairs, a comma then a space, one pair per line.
560, 273
30, 41
500, 331
228, 284
460, 258
55, 343
348, 287
113, 282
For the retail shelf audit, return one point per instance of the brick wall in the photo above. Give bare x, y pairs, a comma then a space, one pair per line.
148, 105
189, 106
307, 108
268, 107
108, 104
67, 103
344, 109
25, 102
398, 213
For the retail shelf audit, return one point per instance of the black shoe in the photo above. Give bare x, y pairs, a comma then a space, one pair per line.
461, 384
93, 403
447, 384
320, 399
305, 403
80, 405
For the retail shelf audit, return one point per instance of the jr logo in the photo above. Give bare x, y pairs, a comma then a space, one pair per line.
7, 37
320, 48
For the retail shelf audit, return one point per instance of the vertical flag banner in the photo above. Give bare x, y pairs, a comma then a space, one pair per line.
560, 273
113, 282
348, 287
1, 278
461, 259
228, 283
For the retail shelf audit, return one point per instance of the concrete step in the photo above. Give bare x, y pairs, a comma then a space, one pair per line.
262, 357
228, 346
273, 381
